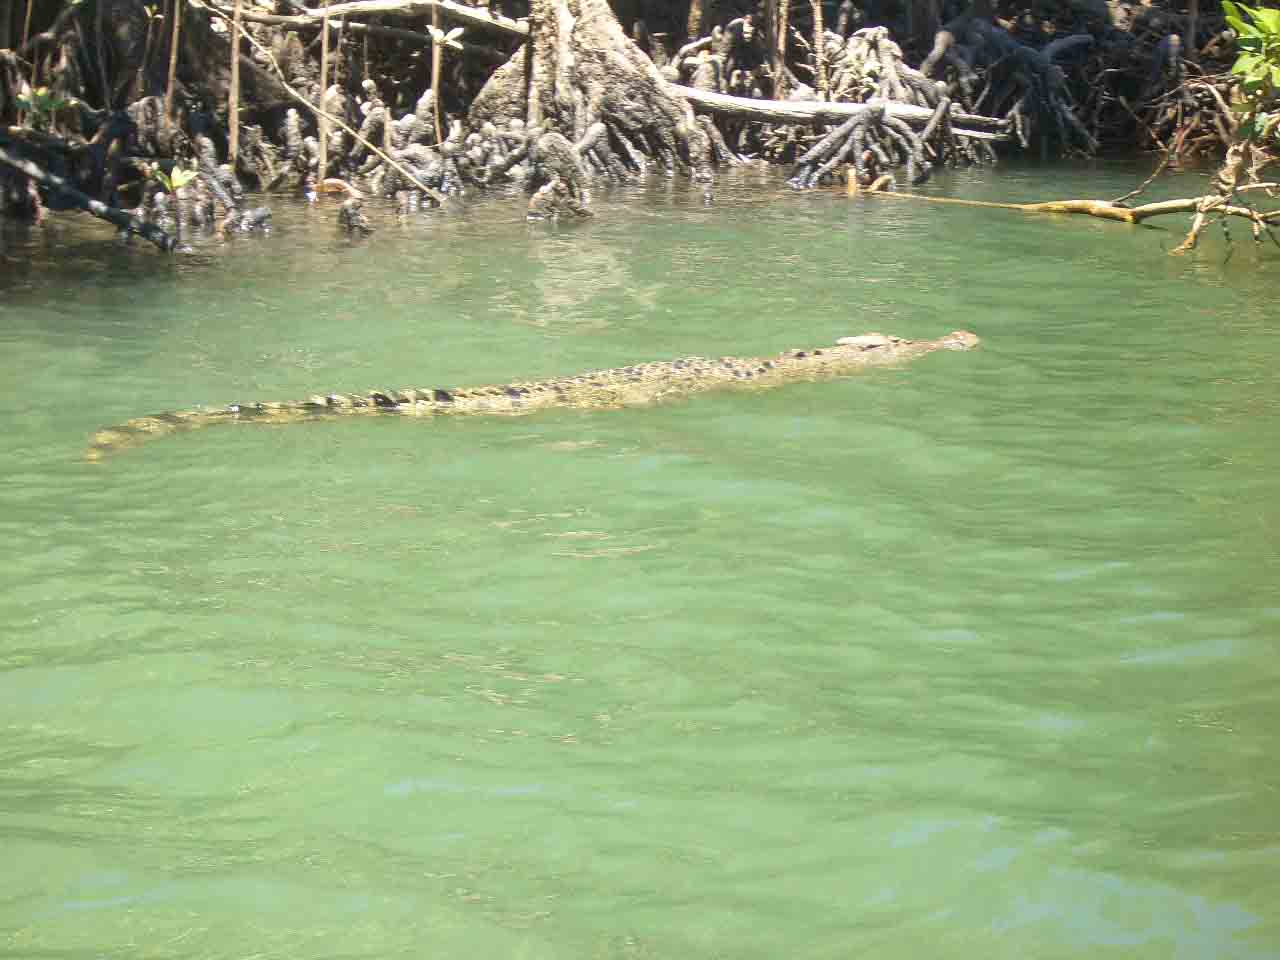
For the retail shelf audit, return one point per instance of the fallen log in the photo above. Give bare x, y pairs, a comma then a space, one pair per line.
486, 54
1102, 209
817, 111
467, 16
64, 193
1202, 207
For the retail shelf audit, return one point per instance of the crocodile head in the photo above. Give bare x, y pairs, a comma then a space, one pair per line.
959, 340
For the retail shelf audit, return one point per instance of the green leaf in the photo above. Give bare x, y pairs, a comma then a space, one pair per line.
1245, 64
1267, 19
1242, 29
1231, 10
180, 178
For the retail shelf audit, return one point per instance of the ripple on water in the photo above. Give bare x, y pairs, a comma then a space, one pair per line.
978, 651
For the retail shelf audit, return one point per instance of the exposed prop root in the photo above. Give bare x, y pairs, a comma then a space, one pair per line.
1026, 85
338, 121
581, 74
856, 140
1054, 77
878, 102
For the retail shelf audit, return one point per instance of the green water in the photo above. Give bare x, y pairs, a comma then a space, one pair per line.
972, 658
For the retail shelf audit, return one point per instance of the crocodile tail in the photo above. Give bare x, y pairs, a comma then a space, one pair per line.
135, 432
139, 430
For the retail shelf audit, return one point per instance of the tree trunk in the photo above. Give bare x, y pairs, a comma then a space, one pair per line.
819, 50
1190, 49
173, 60
437, 58
585, 71
323, 126
693, 25
26, 24
781, 27
233, 97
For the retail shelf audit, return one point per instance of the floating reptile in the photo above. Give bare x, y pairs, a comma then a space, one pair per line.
634, 386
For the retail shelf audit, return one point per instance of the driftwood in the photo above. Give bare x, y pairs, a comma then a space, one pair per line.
65, 193
1203, 207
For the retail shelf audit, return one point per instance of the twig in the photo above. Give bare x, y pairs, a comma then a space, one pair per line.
1160, 168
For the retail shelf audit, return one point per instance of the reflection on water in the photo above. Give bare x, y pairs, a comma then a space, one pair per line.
972, 657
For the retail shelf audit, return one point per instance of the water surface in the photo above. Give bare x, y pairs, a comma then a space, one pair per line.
974, 657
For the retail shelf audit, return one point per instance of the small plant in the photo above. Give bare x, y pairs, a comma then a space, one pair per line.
439, 42
42, 106
449, 39
174, 180
1257, 65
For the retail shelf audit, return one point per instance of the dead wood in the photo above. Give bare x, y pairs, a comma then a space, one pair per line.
63, 194
1203, 207
817, 111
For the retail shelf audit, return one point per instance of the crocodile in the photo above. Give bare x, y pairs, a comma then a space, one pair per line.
631, 386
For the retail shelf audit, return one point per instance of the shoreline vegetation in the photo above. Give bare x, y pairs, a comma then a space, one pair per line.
157, 118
